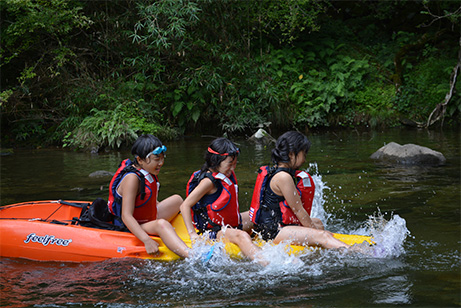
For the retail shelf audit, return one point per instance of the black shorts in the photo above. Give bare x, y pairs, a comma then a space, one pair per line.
267, 231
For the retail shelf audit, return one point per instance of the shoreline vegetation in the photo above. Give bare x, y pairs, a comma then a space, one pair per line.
96, 74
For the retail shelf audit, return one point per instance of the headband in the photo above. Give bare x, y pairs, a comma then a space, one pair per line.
224, 154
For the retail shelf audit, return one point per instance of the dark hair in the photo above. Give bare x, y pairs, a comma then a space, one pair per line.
221, 146
144, 145
289, 142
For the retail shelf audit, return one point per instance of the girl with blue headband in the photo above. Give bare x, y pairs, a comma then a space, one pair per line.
133, 197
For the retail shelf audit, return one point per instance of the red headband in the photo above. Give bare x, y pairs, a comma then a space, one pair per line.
214, 152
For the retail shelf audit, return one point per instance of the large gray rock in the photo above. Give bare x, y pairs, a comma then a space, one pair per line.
101, 174
261, 137
409, 154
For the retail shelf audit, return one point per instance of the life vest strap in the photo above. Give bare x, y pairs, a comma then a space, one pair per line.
139, 174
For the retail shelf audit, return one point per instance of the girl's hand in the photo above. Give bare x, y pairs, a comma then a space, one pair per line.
204, 187
193, 235
318, 223
151, 246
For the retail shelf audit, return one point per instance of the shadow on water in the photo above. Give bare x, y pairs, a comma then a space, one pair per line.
413, 212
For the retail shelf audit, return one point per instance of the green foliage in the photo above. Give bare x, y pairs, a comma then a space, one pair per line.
69, 67
163, 24
110, 97
423, 89
376, 101
38, 22
326, 83
35, 36
229, 89
4, 95
104, 127
288, 19
29, 130
192, 99
246, 98
113, 128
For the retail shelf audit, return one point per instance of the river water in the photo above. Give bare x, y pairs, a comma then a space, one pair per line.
413, 213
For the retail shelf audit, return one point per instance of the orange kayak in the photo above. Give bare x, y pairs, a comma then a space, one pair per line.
46, 231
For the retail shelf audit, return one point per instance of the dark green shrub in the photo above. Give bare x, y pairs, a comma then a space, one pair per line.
112, 128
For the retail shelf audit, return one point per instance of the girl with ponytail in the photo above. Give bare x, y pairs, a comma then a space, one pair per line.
278, 211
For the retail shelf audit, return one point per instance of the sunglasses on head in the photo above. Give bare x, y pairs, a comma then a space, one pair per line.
157, 151
232, 153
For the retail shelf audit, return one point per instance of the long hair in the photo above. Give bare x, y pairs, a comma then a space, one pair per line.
224, 147
290, 142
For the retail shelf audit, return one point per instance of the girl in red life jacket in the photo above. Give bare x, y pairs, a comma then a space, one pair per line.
149, 156
212, 204
289, 154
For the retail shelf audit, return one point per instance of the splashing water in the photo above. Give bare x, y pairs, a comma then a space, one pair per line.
388, 235
277, 256
207, 253
224, 279
318, 211
230, 277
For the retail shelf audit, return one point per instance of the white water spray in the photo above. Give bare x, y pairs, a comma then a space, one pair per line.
318, 211
388, 235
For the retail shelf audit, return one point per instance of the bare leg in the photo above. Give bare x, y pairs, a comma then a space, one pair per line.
246, 222
299, 235
243, 240
165, 230
169, 207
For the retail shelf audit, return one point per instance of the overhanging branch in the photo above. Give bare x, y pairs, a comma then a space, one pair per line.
439, 111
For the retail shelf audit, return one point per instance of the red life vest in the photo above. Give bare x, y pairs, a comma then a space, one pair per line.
145, 207
218, 209
304, 184
306, 189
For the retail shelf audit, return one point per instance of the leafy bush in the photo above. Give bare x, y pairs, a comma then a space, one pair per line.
423, 88
375, 101
325, 82
113, 128
230, 91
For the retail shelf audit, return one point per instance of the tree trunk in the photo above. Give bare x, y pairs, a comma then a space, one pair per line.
439, 110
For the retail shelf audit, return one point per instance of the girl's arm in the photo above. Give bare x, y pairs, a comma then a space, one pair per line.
205, 186
282, 184
128, 189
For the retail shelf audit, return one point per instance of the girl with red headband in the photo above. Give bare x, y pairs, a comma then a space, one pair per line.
212, 205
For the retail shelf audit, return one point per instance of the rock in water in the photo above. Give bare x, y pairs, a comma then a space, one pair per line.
409, 154
261, 137
101, 174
